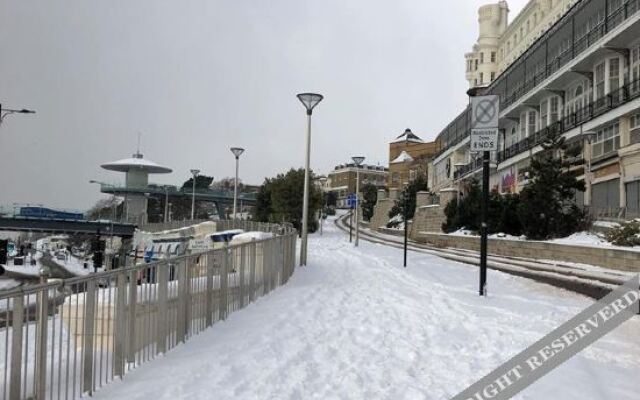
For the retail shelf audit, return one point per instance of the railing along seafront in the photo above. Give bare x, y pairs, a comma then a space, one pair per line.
64, 340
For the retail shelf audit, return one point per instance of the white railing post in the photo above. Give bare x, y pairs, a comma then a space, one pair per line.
88, 332
17, 320
162, 274
209, 263
120, 329
224, 284
252, 271
40, 379
133, 299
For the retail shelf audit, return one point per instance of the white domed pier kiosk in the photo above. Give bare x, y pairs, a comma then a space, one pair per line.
137, 170
137, 190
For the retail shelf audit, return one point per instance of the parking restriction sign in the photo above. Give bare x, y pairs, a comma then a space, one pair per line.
485, 112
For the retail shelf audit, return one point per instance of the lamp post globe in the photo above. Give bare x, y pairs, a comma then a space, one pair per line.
309, 101
237, 151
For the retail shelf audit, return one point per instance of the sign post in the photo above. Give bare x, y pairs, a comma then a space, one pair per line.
485, 112
351, 203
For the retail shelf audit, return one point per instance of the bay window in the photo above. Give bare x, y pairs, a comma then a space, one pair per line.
599, 81
607, 141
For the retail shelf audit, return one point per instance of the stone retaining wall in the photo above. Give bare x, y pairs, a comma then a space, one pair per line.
624, 260
381, 213
427, 219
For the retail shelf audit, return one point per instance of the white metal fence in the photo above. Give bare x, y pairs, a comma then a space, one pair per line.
63, 340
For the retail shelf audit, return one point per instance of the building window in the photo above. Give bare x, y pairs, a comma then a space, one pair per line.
531, 122
635, 129
481, 78
599, 81
543, 114
493, 56
607, 141
578, 98
481, 58
476, 68
554, 108
523, 125
493, 76
614, 74
635, 68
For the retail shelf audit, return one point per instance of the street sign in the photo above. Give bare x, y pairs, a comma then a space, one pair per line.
485, 112
484, 139
351, 201
200, 244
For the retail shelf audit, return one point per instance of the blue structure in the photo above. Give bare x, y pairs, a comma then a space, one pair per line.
48, 213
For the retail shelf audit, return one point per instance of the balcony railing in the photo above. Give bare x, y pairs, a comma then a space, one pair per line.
613, 19
465, 169
513, 84
592, 110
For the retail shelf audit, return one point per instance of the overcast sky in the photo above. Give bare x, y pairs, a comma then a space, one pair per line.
197, 77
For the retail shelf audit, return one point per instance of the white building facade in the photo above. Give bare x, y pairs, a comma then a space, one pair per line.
563, 67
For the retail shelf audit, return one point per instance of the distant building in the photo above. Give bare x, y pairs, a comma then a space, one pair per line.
501, 43
566, 67
342, 180
408, 158
321, 182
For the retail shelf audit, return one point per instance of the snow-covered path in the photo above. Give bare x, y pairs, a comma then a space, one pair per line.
354, 324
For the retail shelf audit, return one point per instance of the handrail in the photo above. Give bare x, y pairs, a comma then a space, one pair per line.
67, 338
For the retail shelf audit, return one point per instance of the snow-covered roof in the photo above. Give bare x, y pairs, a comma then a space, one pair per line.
136, 162
408, 136
403, 157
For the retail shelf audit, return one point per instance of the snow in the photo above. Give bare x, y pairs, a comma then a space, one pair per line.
26, 268
585, 238
249, 236
354, 324
403, 157
8, 284
462, 232
606, 224
75, 265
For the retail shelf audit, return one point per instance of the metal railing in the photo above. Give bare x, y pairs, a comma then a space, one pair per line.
221, 225
173, 191
65, 339
593, 109
617, 214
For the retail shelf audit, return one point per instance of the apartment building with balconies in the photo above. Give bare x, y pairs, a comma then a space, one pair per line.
581, 75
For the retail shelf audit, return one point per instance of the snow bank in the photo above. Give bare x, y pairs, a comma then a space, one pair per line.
249, 236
